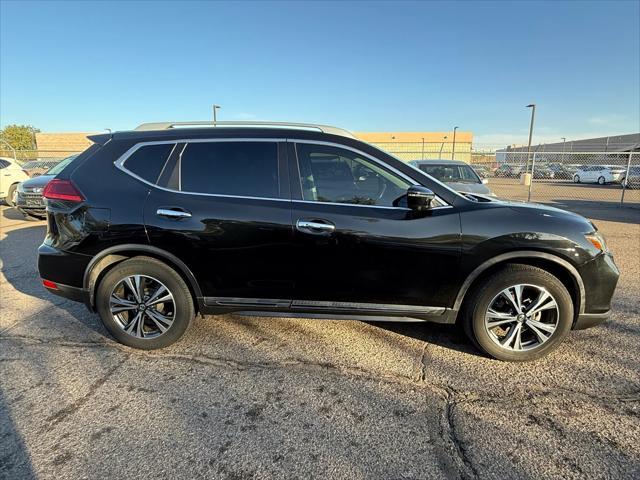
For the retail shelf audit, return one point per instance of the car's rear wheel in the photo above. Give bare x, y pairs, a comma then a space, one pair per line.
144, 303
601, 181
576, 179
12, 194
520, 313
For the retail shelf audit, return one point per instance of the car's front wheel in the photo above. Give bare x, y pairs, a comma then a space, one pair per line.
576, 179
144, 303
520, 313
601, 181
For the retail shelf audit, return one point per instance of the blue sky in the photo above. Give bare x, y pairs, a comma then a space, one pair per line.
365, 66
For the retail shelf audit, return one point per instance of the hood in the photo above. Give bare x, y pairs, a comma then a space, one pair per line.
36, 182
470, 188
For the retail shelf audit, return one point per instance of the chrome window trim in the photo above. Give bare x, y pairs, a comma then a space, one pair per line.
386, 166
119, 163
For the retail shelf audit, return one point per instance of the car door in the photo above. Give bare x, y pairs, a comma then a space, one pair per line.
355, 244
223, 208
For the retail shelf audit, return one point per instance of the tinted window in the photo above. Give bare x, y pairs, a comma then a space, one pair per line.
336, 175
4, 163
56, 169
147, 161
231, 168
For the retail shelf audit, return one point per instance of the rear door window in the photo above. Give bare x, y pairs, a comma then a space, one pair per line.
147, 161
238, 168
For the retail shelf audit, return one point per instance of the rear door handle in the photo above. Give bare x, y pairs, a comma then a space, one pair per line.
173, 213
315, 227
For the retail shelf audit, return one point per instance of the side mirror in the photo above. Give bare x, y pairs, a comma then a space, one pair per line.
419, 198
485, 181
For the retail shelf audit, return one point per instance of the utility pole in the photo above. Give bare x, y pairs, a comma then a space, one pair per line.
453, 150
422, 148
215, 107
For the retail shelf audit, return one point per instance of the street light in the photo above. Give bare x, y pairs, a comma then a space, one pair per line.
215, 107
453, 150
441, 147
532, 106
564, 140
422, 148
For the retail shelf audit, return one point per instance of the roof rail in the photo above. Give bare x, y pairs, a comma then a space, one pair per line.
311, 126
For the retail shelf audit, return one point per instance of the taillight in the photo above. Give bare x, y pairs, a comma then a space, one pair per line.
62, 190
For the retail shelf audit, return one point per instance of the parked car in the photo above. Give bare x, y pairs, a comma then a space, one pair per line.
562, 171
543, 171
633, 179
600, 174
10, 176
29, 198
151, 226
482, 170
35, 168
509, 170
455, 173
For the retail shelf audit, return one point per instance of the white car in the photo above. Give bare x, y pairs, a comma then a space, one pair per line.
599, 174
10, 176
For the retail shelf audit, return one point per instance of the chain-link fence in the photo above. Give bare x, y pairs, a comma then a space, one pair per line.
567, 178
427, 150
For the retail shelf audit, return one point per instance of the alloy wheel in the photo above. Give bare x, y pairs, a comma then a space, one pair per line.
522, 317
142, 306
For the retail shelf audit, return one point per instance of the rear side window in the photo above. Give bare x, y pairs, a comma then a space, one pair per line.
4, 164
230, 168
147, 161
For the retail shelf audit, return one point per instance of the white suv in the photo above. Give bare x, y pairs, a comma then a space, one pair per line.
10, 176
600, 174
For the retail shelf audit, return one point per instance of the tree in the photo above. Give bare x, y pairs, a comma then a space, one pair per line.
20, 137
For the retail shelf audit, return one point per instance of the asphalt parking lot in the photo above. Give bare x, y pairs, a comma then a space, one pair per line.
243, 397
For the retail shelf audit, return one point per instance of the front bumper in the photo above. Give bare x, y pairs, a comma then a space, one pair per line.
31, 203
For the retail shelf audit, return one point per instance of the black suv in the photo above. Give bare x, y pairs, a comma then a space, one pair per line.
151, 226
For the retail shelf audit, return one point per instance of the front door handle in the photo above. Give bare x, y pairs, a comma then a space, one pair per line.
173, 213
315, 227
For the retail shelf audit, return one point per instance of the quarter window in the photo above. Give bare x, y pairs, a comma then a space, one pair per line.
230, 168
336, 175
147, 161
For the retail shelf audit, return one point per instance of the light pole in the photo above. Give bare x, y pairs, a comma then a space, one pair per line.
532, 106
453, 150
215, 107
441, 147
422, 148
564, 140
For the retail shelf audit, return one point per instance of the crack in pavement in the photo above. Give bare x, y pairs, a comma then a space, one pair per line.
395, 378
69, 410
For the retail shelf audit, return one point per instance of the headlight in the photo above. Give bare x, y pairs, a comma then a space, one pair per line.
597, 240
20, 189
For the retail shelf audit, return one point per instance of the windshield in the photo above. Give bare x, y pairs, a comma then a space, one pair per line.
452, 173
56, 169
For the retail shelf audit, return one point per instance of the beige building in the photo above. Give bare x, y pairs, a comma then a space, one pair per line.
404, 145
422, 145
60, 145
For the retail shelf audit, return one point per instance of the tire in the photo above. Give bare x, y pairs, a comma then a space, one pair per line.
9, 200
489, 293
601, 181
576, 179
152, 334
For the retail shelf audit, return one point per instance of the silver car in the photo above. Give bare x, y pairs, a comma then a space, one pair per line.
456, 174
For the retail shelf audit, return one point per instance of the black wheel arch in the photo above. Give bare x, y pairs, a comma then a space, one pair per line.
107, 258
555, 265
